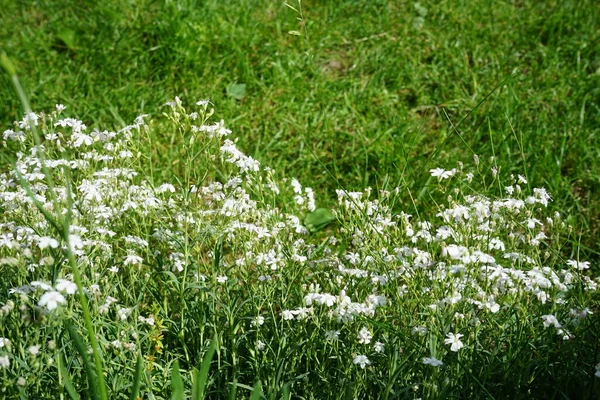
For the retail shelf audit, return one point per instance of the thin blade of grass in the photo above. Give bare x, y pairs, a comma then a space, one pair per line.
90, 374
68, 383
137, 379
201, 382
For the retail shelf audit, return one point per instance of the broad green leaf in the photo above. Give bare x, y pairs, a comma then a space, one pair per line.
67, 36
236, 90
318, 219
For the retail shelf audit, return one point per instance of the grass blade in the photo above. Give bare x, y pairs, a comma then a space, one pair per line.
68, 384
137, 379
176, 383
90, 374
202, 377
257, 391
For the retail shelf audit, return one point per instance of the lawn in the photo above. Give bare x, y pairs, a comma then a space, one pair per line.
440, 107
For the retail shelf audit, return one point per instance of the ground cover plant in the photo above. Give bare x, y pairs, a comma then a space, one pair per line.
407, 206
360, 301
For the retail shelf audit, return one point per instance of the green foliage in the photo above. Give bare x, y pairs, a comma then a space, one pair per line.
318, 219
342, 95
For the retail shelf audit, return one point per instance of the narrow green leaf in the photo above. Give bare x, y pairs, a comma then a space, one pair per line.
233, 390
176, 382
7, 64
256, 391
68, 383
201, 383
137, 379
218, 254
90, 375
286, 395
295, 33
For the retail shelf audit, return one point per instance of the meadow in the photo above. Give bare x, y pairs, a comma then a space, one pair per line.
317, 199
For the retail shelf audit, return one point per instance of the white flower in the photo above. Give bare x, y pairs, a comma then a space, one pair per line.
46, 241
4, 342
51, 300
21, 381
34, 350
63, 285
42, 285
4, 362
434, 362
550, 320
260, 345
60, 107
440, 173
149, 320
123, 313
332, 335
361, 360
579, 265
222, 279
522, 179
419, 330
378, 347
258, 321
287, 315
364, 336
454, 341
133, 259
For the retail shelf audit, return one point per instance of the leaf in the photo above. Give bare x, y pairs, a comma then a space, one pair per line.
295, 33
176, 383
137, 380
67, 36
256, 391
236, 90
8, 64
88, 367
201, 378
318, 219
68, 383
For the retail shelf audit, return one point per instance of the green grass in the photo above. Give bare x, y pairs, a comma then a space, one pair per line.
368, 97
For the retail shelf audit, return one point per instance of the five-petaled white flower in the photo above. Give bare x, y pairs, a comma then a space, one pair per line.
63, 285
454, 340
441, 173
51, 300
361, 360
